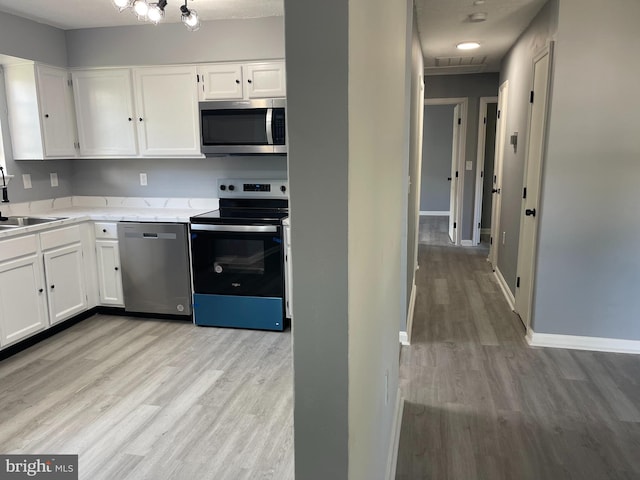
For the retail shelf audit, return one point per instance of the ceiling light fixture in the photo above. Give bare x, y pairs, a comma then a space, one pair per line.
468, 46
478, 17
190, 17
154, 12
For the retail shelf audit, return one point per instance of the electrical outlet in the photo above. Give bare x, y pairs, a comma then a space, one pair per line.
143, 179
504, 237
26, 180
54, 179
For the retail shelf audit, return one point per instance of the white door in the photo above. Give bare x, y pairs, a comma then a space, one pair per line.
22, 299
453, 192
109, 273
496, 204
64, 274
104, 110
56, 112
265, 80
220, 82
531, 191
167, 108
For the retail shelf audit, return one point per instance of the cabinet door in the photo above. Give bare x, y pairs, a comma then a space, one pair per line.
167, 107
64, 273
104, 109
22, 299
109, 274
56, 112
265, 80
220, 82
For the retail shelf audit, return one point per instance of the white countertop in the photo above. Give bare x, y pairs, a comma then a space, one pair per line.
105, 209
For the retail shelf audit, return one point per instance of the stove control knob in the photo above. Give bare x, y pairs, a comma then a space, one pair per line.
223, 187
232, 188
283, 188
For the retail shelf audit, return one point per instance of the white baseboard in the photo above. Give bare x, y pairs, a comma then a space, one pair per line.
505, 289
434, 213
574, 342
405, 336
466, 243
392, 461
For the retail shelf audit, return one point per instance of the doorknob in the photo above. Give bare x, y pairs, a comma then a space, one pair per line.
530, 212
449, 179
494, 190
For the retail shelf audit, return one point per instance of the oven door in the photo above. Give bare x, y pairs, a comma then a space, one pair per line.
237, 260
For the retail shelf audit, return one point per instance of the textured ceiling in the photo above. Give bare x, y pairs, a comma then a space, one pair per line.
71, 14
445, 23
442, 23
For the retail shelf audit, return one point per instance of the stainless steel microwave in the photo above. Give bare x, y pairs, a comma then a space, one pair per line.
243, 127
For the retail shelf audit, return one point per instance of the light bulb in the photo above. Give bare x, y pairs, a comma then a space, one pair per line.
122, 4
468, 46
141, 7
191, 21
155, 14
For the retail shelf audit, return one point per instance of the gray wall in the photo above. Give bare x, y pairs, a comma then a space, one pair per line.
347, 312
189, 177
169, 43
33, 41
317, 36
489, 158
588, 264
473, 87
436, 158
517, 68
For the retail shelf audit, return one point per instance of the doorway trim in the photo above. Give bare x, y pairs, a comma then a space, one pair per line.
480, 160
460, 149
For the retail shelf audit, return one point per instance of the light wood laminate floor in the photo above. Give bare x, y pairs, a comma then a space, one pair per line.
152, 399
481, 404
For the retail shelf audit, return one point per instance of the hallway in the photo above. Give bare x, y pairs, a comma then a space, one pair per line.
481, 404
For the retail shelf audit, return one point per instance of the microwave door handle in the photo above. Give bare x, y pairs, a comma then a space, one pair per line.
269, 126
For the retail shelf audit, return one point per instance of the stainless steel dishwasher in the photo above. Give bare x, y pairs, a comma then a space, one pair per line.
154, 260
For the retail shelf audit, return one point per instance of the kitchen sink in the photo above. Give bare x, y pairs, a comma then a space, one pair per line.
13, 222
7, 227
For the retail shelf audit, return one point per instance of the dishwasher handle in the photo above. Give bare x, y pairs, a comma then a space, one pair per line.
151, 235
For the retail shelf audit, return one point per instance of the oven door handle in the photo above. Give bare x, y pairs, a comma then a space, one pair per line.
235, 228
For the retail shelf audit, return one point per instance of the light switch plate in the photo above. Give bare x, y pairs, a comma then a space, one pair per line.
54, 179
143, 179
26, 180
469, 165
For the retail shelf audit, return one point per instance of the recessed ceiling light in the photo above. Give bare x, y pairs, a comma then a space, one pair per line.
468, 46
478, 17
479, 2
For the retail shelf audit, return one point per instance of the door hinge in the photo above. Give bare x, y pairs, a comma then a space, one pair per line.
70, 82
455, 225
531, 97
478, 224
498, 113
518, 282
198, 78
456, 174
485, 120
459, 121
524, 192
495, 178
481, 174
490, 240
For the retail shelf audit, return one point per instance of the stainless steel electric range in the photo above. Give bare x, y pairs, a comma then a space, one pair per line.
237, 256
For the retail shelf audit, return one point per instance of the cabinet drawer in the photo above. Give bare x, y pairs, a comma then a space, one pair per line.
18, 247
60, 237
106, 230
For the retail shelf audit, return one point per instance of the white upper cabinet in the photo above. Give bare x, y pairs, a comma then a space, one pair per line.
265, 80
41, 114
167, 111
220, 82
105, 113
237, 81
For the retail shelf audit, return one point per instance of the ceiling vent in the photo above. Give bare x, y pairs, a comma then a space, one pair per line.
479, 61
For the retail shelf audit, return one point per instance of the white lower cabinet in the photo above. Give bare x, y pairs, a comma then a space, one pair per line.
109, 274
64, 273
23, 306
